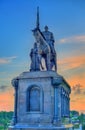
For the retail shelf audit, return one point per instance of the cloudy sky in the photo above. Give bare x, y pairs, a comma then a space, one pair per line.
66, 19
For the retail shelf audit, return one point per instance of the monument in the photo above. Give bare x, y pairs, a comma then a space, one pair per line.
41, 94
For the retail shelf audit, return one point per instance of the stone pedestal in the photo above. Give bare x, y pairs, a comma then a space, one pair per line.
38, 101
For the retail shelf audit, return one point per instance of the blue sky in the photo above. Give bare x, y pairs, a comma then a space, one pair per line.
65, 18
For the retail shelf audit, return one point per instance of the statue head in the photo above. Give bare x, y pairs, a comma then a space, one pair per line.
46, 28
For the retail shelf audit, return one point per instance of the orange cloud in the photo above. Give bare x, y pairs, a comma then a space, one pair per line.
77, 79
79, 38
7, 100
73, 70
79, 106
71, 62
77, 95
77, 101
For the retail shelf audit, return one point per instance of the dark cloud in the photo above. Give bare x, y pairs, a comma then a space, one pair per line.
73, 100
84, 92
77, 89
3, 88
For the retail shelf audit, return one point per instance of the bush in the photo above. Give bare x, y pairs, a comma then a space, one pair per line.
83, 127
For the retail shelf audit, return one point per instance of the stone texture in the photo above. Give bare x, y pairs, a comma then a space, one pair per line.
49, 85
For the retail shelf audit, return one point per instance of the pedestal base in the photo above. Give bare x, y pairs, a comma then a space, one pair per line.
39, 127
44, 113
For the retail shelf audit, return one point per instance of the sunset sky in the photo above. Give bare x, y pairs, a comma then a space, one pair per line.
66, 19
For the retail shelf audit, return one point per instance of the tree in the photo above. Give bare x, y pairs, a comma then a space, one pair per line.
82, 118
5, 119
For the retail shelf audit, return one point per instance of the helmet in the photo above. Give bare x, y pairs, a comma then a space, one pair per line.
46, 27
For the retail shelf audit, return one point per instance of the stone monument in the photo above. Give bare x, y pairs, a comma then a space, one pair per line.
41, 95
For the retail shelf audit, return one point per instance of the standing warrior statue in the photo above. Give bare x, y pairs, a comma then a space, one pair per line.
45, 48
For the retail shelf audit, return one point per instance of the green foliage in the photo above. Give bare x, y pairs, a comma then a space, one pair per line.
76, 126
5, 119
83, 127
82, 118
1, 128
74, 113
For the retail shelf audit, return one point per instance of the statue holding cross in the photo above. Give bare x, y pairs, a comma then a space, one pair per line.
44, 49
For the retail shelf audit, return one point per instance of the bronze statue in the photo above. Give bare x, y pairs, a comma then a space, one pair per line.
43, 48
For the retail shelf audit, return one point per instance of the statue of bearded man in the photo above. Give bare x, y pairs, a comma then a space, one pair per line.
49, 39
